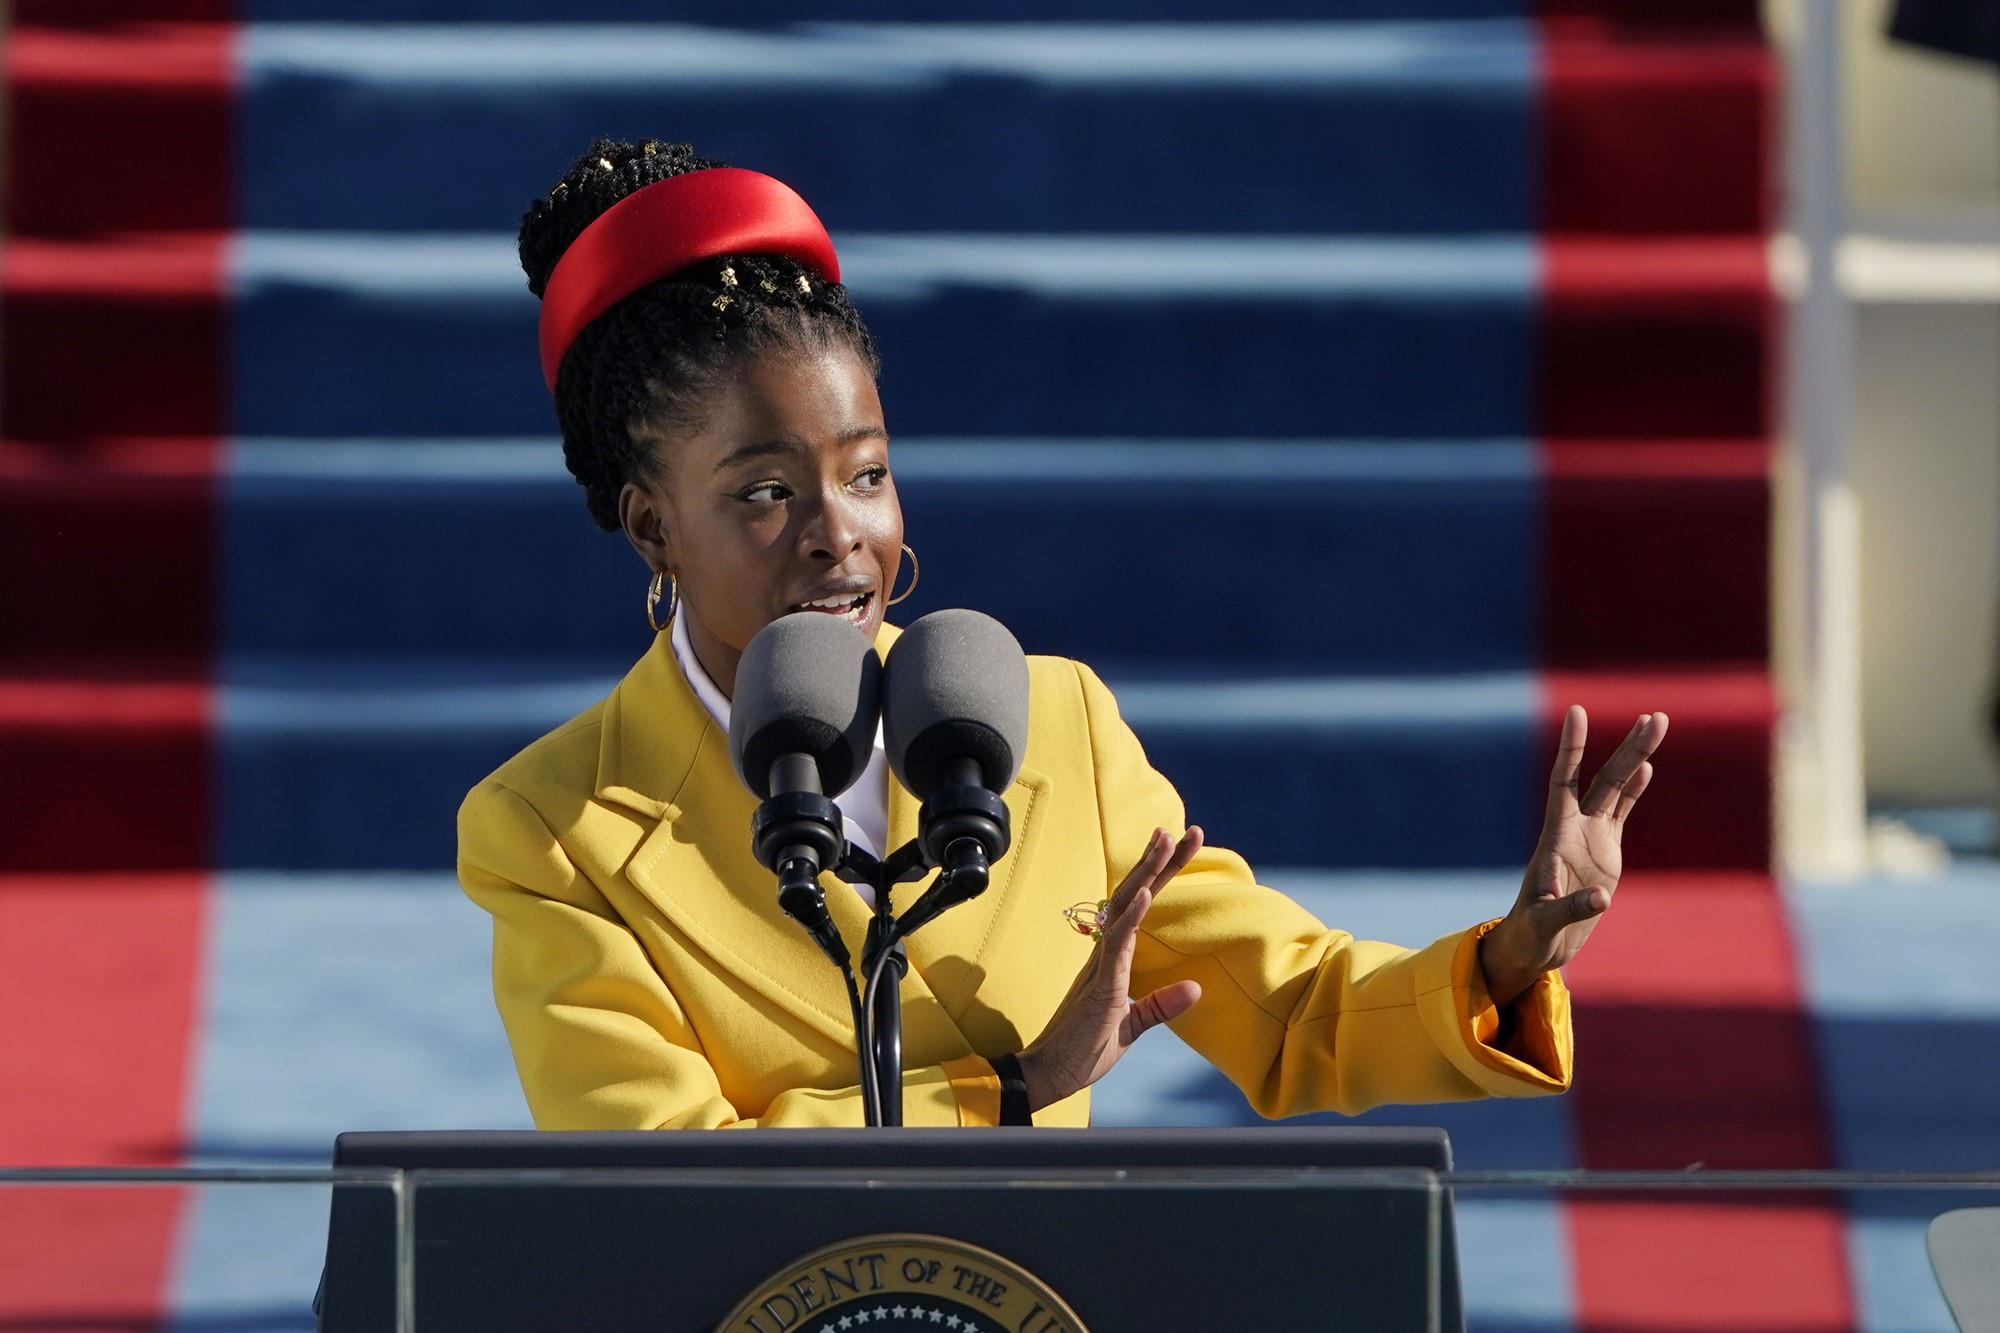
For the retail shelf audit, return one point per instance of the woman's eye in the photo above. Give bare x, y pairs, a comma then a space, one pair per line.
872, 477
767, 492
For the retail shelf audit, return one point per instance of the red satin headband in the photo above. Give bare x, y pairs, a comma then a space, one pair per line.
664, 227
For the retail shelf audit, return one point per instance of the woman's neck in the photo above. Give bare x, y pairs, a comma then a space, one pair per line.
716, 658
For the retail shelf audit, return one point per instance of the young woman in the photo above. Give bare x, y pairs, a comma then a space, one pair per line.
717, 398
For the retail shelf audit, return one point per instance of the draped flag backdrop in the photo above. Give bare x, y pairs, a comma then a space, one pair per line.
1354, 384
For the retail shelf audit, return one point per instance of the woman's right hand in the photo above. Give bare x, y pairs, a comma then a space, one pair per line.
1097, 1021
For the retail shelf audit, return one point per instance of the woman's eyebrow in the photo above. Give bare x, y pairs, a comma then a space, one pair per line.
766, 448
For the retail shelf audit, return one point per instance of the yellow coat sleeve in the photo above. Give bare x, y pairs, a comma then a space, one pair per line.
598, 1037
1300, 1017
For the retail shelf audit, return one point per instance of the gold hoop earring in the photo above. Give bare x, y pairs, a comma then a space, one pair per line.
916, 572
663, 585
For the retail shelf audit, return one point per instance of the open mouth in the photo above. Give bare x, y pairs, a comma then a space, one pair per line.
852, 607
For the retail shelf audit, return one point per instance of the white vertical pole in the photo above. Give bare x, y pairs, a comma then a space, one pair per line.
1832, 803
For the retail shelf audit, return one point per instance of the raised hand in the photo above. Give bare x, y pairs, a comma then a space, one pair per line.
1574, 872
1096, 1023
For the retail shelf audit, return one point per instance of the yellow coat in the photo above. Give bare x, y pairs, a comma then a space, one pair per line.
647, 978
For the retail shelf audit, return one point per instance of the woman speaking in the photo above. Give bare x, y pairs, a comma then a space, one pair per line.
717, 398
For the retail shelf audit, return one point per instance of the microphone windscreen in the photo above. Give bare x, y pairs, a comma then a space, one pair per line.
957, 688
811, 684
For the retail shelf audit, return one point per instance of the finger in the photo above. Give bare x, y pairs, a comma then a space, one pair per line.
1125, 918
1159, 865
1569, 758
1638, 745
1120, 932
1158, 849
1121, 942
1633, 791
1162, 1006
1551, 916
1183, 852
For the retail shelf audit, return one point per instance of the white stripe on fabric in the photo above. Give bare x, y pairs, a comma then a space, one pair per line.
1328, 703
540, 460
1498, 53
300, 697
548, 56
911, 266
406, 709
534, 460
1271, 268
1491, 52
1408, 907
378, 263
1215, 460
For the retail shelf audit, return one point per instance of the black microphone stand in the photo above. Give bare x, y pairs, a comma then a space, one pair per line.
879, 1036
964, 829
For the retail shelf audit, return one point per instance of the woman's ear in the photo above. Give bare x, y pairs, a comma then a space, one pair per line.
642, 516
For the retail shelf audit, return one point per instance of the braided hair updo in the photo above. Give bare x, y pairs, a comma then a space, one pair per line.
646, 364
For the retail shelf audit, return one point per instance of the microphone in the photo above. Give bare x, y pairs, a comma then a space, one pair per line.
801, 728
955, 720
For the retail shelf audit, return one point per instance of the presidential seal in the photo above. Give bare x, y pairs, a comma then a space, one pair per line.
902, 1283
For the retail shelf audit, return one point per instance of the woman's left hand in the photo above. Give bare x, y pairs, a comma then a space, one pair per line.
1575, 869
1097, 1023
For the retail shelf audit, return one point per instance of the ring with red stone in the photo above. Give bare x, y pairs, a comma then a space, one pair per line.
1089, 918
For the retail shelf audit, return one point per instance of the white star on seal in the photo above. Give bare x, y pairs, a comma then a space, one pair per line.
898, 1312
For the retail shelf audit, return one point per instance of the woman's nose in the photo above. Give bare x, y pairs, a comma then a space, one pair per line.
833, 531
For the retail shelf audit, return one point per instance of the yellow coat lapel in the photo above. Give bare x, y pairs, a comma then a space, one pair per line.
661, 755
956, 952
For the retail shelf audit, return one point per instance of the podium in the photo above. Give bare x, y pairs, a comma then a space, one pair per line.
963, 1231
